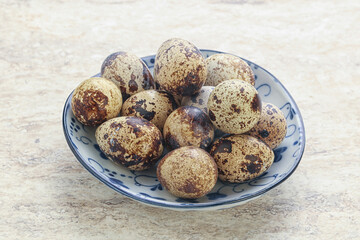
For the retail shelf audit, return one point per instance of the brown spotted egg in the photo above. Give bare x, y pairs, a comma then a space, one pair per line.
128, 72
96, 100
234, 106
188, 126
241, 157
179, 67
152, 105
222, 67
271, 127
199, 99
132, 142
187, 172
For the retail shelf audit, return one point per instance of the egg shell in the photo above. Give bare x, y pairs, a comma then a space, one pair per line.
128, 72
96, 100
222, 67
152, 105
179, 67
241, 157
188, 126
177, 98
234, 106
199, 99
271, 127
132, 142
187, 172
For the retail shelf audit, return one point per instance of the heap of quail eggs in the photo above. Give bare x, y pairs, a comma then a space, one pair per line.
205, 113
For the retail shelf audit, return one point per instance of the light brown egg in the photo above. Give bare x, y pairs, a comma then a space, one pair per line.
132, 142
241, 157
271, 127
222, 67
234, 106
187, 172
128, 72
199, 99
96, 100
179, 67
188, 126
152, 105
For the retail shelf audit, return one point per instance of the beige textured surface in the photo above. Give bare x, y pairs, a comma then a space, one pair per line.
48, 47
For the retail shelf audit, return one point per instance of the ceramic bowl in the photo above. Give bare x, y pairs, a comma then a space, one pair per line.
143, 186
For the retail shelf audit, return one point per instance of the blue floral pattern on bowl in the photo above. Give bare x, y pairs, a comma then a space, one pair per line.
144, 186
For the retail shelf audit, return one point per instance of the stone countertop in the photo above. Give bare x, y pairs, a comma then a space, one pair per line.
49, 47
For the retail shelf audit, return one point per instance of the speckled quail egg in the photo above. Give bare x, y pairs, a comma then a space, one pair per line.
222, 67
271, 127
152, 105
241, 157
188, 126
132, 142
199, 99
234, 106
179, 67
187, 172
128, 72
96, 100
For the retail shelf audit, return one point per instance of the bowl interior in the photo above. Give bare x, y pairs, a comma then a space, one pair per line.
143, 186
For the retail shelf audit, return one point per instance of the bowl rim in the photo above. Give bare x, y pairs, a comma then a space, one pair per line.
192, 205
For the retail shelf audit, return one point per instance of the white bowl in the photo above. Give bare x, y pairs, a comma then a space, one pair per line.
143, 186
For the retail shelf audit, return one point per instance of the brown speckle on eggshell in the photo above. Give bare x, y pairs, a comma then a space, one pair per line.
152, 105
187, 172
234, 106
96, 100
132, 142
179, 67
128, 72
271, 127
241, 157
188, 126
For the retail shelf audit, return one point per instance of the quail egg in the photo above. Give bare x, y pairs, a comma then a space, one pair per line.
128, 72
96, 100
132, 142
234, 106
188, 126
179, 67
187, 172
222, 67
199, 99
271, 127
153, 105
241, 157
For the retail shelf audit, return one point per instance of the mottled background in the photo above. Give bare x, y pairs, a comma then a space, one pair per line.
48, 47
